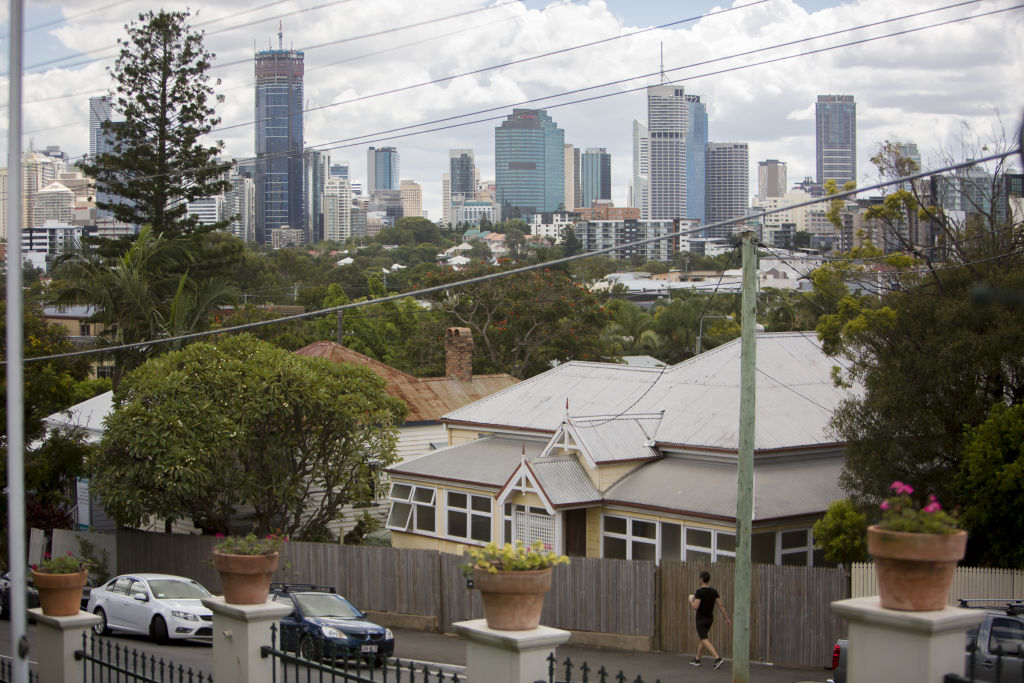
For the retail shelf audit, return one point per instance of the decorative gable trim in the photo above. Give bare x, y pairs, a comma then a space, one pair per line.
568, 438
524, 480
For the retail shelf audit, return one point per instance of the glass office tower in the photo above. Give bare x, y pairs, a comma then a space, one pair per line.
279, 152
529, 164
835, 118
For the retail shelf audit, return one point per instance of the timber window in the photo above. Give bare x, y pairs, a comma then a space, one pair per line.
468, 516
413, 508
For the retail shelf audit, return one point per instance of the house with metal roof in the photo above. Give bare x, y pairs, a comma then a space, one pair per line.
633, 462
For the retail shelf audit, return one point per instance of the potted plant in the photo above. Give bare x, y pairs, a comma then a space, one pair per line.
59, 581
513, 581
916, 549
246, 565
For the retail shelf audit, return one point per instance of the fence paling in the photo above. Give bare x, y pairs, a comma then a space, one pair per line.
968, 582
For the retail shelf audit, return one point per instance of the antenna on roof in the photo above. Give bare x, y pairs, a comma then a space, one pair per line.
280, 34
661, 71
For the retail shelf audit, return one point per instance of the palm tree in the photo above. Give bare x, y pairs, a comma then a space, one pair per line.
140, 295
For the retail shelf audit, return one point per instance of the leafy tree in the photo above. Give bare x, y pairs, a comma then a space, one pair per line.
522, 323
212, 429
571, 244
991, 487
140, 295
515, 242
654, 267
630, 323
931, 359
842, 533
158, 161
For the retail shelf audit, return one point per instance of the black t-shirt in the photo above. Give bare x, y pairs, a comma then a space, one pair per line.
707, 597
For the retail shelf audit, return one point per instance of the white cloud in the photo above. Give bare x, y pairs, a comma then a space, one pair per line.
920, 86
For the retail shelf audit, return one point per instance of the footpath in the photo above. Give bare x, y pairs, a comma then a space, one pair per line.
448, 652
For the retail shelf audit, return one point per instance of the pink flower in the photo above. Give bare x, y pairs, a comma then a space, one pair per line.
932, 507
218, 535
932, 498
900, 488
70, 554
884, 505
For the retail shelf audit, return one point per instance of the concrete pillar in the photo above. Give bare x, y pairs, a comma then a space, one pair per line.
57, 639
910, 647
239, 631
507, 656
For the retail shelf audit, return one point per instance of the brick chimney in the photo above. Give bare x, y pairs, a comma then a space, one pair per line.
458, 350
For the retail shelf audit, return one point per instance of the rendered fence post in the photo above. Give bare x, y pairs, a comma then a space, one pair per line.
912, 647
239, 631
57, 638
507, 656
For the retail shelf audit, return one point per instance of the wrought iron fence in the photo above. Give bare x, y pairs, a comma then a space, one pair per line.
325, 664
6, 675
103, 661
584, 673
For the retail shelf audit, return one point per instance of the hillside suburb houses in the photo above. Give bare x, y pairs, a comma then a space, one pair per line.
606, 460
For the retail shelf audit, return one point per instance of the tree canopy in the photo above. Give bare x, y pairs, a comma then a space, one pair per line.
157, 161
240, 432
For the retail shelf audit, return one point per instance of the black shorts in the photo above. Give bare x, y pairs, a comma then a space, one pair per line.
703, 626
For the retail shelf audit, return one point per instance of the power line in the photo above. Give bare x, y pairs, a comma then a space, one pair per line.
395, 133
514, 271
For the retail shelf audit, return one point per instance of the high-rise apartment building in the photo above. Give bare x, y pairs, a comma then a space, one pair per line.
771, 179
339, 170
99, 111
835, 118
461, 173
279, 176
573, 178
727, 185
412, 198
597, 175
337, 209
240, 206
677, 126
381, 169
639, 184
529, 164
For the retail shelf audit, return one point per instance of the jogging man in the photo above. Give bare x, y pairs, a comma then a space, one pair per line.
704, 601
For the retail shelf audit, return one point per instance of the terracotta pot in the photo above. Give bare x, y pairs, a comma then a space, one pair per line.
245, 578
513, 600
915, 571
60, 595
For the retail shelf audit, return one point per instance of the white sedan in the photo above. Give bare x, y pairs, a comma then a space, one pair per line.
160, 605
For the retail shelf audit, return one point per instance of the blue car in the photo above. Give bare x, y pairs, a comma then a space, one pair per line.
324, 626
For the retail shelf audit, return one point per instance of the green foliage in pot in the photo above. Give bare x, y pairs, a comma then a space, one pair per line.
65, 564
518, 558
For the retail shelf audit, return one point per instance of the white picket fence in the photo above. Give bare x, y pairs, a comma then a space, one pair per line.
969, 582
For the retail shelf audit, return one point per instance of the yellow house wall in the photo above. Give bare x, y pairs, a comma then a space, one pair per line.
457, 436
604, 476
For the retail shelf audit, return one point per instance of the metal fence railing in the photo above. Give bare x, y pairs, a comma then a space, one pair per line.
103, 660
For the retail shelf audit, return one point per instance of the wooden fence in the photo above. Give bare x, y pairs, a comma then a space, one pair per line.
968, 582
791, 623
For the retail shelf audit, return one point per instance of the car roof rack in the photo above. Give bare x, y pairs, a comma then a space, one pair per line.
293, 587
1013, 607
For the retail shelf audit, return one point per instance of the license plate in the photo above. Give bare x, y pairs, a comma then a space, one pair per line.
368, 649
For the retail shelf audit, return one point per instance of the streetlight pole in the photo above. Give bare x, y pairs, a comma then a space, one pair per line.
700, 328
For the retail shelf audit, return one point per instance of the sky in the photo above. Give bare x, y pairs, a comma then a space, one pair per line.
950, 88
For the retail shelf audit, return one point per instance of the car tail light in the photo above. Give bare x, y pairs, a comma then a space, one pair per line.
835, 655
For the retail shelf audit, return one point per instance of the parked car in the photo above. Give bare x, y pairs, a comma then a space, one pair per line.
994, 648
31, 598
162, 606
324, 626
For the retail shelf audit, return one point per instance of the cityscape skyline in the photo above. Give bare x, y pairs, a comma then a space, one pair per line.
771, 107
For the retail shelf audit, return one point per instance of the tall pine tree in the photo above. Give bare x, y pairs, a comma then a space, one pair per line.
157, 162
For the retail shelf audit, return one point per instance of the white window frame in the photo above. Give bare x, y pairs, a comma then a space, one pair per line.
416, 507
469, 513
807, 550
629, 537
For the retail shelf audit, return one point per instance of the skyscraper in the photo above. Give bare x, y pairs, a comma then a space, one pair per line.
99, 111
597, 175
337, 209
381, 169
317, 167
771, 179
573, 178
412, 198
279, 143
639, 185
462, 173
529, 163
727, 184
677, 126
835, 118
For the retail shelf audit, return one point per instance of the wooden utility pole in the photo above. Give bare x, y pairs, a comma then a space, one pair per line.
745, 464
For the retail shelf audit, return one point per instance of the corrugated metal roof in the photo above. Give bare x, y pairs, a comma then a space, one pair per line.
700, 397
487, 462
782, 488
563, 481
616, 438
428, 398
88, 415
